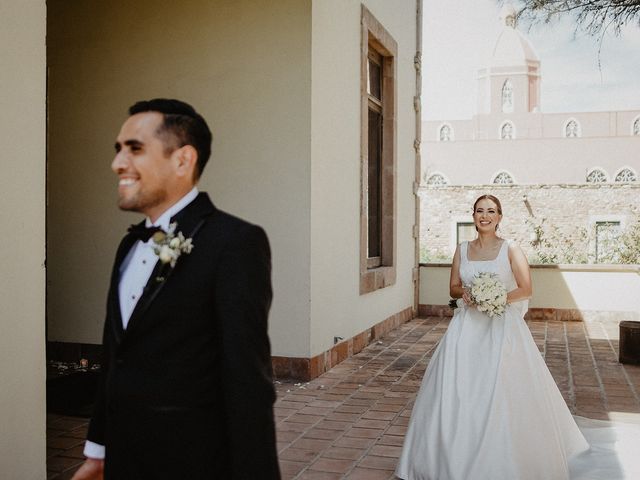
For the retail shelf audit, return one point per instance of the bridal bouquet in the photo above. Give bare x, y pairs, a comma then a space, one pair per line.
488, 293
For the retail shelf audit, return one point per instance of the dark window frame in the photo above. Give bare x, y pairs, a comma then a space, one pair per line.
377, 216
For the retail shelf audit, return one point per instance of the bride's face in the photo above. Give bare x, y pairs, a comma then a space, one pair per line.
486, 216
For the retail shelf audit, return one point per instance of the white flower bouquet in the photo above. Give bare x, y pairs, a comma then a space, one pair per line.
488, 293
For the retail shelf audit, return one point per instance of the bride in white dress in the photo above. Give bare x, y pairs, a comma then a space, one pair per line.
488, 408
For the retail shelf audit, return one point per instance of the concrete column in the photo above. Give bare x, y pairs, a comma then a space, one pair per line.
22, 227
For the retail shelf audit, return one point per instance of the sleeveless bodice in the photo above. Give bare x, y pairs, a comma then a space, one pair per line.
499, 265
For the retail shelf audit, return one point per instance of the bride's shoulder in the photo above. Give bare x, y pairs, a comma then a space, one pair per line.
462, 245
513, 248
511, 243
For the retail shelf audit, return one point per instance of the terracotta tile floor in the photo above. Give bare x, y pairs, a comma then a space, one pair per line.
350, 422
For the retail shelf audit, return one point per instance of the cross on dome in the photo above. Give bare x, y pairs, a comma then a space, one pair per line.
510, 81
508, 15
512, 48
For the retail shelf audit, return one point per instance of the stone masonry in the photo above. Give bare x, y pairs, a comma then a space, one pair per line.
568, 207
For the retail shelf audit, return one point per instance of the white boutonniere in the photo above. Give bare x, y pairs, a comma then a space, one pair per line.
170, 245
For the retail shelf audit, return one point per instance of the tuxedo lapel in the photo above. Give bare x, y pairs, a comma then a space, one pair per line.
189, 220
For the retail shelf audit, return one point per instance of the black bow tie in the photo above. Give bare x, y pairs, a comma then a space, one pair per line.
143, 233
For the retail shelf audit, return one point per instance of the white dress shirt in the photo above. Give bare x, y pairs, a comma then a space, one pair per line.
134, 275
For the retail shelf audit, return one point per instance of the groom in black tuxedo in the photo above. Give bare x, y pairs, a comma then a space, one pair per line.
187, 391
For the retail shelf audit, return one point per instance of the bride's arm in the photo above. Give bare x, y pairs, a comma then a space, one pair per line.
455, 282
521, 273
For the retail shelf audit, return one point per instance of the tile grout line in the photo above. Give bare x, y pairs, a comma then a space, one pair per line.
572, 391
603, 394
546, 337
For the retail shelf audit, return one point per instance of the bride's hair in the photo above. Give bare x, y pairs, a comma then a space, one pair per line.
488, 197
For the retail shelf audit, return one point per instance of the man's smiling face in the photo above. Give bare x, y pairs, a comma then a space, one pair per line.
144, 167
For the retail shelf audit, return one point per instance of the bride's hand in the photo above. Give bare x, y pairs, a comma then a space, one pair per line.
466, 298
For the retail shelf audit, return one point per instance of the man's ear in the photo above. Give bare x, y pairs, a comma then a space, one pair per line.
186, 159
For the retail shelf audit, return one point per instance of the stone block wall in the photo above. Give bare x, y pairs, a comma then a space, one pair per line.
567, 207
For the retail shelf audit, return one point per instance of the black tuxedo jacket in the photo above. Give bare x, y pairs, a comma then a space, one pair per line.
187, 390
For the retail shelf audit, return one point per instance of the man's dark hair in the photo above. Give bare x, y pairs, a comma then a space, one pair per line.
182, 126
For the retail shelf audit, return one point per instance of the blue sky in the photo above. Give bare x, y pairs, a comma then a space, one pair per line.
459, 36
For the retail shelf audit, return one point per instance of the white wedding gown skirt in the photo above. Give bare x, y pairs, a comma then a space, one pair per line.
488, 408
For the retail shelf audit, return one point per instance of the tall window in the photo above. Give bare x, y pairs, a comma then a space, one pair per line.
374, 95
377, 222
445, 133
596, 175
507, 131
465, 232
572, 129
607, 234
507, 96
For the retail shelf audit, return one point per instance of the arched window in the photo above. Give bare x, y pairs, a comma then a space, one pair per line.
507, 131
572, 129
507, 96
445, 134
626, 175
635, 129
503, 178
597, 175
437, 179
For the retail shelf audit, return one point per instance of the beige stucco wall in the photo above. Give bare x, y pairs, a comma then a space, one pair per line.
590, 288
609, 288
434, 285
22, 213
245, 66
337, 308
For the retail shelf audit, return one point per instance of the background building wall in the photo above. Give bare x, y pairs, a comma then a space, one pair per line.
537, 125
549, 160
336, 305
568, 207
22, 216
245, 65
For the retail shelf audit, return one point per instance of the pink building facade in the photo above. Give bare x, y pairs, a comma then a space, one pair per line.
511, 142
